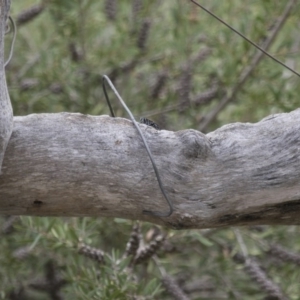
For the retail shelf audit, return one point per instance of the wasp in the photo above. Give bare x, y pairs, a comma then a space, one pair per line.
149, 123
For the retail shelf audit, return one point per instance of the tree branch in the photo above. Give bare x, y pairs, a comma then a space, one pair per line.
79, 165
6, 114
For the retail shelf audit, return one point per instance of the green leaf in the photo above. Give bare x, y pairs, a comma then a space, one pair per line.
150, 287
37, 238
203, 240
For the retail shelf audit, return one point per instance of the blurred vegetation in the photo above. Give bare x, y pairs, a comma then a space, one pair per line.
171, 62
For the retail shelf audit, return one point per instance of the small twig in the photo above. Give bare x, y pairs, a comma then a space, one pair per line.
284, 254
134, 240
143, 34
206, 96
170, 283
30, 13
200, 99
184, 89
123, 68
255, 271
91, 252
186, 78
161, 111
261, 278
159, 84
52, 282
146, 252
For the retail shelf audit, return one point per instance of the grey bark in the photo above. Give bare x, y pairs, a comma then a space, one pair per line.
6, 114
79, 165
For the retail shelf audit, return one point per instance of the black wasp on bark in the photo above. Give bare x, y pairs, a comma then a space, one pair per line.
149, 123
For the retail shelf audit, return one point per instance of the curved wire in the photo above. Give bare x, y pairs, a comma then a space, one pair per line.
146, 212
245, 38
14, 27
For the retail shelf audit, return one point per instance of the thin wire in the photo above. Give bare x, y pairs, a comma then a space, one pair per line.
245, 38
14, 27
106, 97
146, 212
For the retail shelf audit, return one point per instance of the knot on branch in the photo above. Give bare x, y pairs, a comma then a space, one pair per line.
195, 144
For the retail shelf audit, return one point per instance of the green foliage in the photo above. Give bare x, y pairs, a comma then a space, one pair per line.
57, 65
202, 260
46, 51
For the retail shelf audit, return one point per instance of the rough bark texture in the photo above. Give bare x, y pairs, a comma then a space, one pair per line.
6, 115
78, 165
